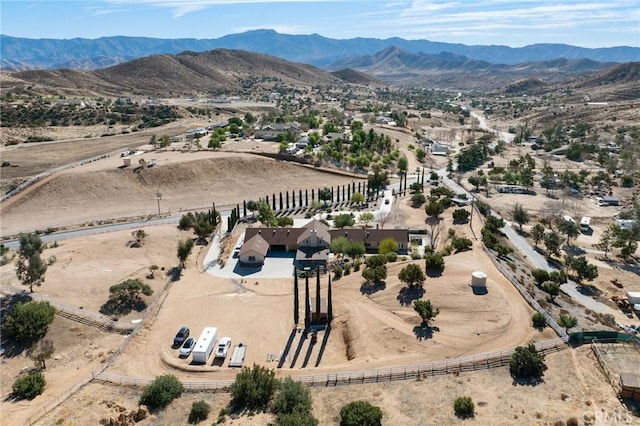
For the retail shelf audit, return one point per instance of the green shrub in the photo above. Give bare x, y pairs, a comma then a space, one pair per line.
254, 387
29, 321
292, 397
160, 392
461, 244
539, 321
337, 271
527, 363
356, 266
392, 257
434, 262
199, 412
297, 419
28, 387
360, 413
463, 406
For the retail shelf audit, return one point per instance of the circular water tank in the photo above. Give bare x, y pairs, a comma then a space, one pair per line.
478, 279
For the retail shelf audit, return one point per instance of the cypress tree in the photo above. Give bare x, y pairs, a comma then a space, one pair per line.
318, 295
296, 300
281, 201
306, 198
300, 198
244, 208
329, 303
273, 201
287, 198
307, 307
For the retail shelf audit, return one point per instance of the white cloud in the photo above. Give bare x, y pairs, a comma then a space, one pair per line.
183, 7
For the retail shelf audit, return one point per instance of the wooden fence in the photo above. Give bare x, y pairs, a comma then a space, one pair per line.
406, 372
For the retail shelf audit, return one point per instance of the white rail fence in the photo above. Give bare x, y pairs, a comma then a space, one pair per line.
49, 172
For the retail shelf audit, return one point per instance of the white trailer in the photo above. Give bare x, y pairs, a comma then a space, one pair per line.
205, 344
634, 297
585, 223
237, 356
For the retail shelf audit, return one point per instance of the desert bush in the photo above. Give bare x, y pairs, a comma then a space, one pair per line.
526, 363
463, 406
292, 397
392, 257
539, 321
297, 419
434, 262
160, 392
28, 387
254, 387
360, 413
572, 421
199, 412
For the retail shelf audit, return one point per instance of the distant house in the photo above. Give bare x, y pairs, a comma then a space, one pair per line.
194, 133
332, 136
609, 200
442, 150
382, 119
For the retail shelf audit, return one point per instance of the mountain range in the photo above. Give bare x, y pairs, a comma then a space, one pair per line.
79, 53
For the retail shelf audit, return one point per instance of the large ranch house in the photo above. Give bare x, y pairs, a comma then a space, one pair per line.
311, 243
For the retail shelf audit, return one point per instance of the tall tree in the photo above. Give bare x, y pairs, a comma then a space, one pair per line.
30, 267
324, 194
296, 298
552, 242
537, 233
329, 303
568, 321
520, 215
425, 309
412, 274
184, 250
318, 295
41, 352
307, 307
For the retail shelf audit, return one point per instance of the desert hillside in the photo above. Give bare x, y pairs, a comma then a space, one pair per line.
80, 195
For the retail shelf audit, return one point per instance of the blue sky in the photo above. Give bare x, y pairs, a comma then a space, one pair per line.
587, 23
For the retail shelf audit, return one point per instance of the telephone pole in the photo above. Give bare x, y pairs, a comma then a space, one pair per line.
158, 197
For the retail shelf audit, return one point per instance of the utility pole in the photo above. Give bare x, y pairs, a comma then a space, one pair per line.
158, 197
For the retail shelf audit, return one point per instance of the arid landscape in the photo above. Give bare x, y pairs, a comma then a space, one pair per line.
109, 191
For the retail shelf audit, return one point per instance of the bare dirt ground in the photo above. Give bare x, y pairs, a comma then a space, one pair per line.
102, 190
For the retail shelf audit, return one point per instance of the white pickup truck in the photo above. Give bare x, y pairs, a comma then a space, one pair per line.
223, 347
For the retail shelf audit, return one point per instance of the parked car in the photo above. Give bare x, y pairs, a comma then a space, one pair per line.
181, 336
223, 347
187, 347
386, 201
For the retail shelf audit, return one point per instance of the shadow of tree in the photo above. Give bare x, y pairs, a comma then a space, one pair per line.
371, 288
529, 381
434, 273
115, 307
424, 331
407, 295
589, 290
